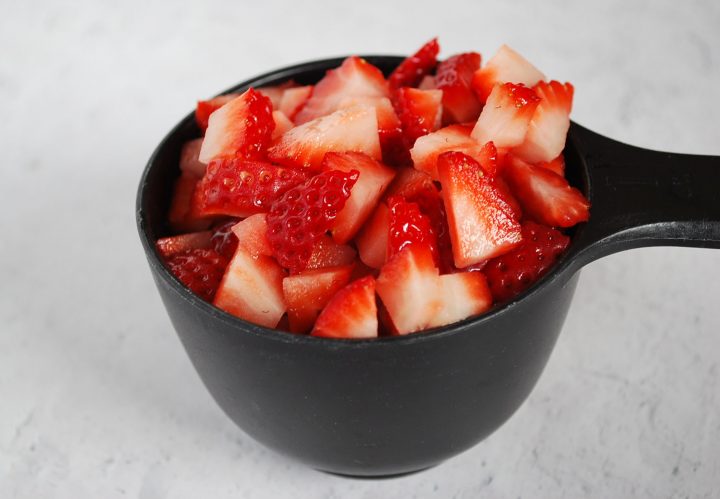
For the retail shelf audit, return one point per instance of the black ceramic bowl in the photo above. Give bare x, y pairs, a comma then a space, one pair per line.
396, 405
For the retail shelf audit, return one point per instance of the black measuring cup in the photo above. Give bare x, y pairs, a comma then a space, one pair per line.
390, 406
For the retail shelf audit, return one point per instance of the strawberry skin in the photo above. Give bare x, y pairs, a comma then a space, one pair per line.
510, 274
505, 66
505, 118
351, 313
420, 112
354, 78
199, 269
239, 187
482, 223
548, 128
349, 129
243, 127
408, 226
307, 293
413, 69
546, 196
454, 77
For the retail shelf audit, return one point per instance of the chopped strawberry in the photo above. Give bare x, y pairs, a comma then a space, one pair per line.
293, 100
243, 127
408, 226
427, 83
413, 69
205, 108
307, 293
275, 92
223, 239
168, 246
327, 253
354, 78
452, 138
505, 118
239, 187
251, 235
300, 216
420, 111
373, 180
557, 165
351, 129
506, 66
181, 216
546, 196
282, 124
251, 289
199, 269
372, 241
463, 295
548, 128
482, 223
513, 272
351, 313
454, 77
408, 287
189, 162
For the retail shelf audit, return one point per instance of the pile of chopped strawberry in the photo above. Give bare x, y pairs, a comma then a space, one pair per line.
366, 205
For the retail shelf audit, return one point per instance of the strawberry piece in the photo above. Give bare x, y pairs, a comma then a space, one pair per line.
168, 246
372, 241
239, 187
452, 138
298, 218
275, 92
199, 269
354, 78
307, 293
505, 118
189, 162
251, 235
282, 124
205, 108
251, 289
454, 77
482, 223
408, 287
463, 295
181, 216
548, 128
427, 83
223, 239
546, 196
351, 129
243, 127
293, 100
420, 111
351, 313
513, 272
408, 227
413, 69
505, 66
373, 179
327, 253
557, 165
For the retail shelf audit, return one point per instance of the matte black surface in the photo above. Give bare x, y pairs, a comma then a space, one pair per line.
397, 405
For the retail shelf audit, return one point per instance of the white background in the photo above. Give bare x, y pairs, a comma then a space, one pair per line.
97, 397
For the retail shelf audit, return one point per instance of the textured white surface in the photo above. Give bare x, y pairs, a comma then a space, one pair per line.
97, 398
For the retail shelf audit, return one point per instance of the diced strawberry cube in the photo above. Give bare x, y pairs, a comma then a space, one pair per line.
463, 295
506, 66
557, 165
327, 253
505, 118
199, 269
482, 223
243, 127
251, 234
427, 83
282, 124
408, 288
420, 111
351, 129
549, 125
351, 313
293, 100
454, 77
275, 93
307, 293
373, 180
452, 138
189, 162
181, 216
354, 78
372, 241
205, 108
413, 69
251, 289
546, 196
408, 226
168, 246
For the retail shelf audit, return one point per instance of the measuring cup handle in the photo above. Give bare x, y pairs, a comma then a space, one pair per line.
642, 197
